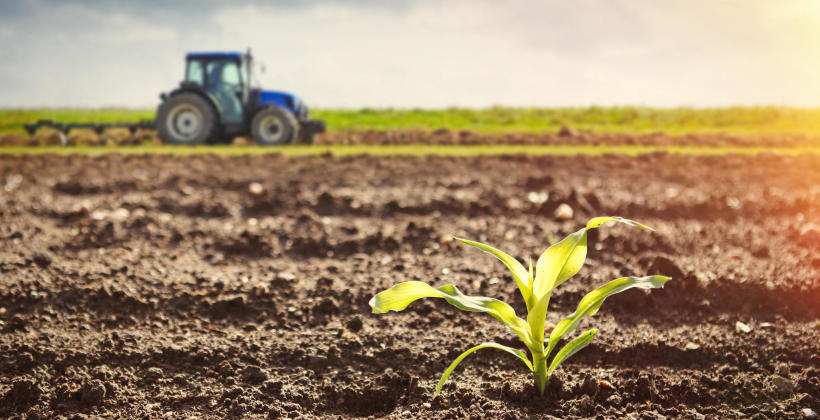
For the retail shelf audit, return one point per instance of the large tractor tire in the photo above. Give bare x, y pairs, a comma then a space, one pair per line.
273, 126
186, 118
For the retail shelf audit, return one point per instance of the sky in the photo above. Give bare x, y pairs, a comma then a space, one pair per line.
421, 53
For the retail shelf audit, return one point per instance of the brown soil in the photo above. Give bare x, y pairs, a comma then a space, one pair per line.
446, 136
168, 287
568, 137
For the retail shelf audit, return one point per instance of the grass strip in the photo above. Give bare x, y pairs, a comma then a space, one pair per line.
406, 150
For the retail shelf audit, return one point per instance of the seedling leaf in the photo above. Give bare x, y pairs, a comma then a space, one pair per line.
571, 348
399, 296
557, 264
598, 221
515, 352
590, 303
518, 271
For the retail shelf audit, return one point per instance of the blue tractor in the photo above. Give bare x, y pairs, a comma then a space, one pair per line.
216, 103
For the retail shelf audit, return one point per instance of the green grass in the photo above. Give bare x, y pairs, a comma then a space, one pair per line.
406, 150
740, 120
737, 120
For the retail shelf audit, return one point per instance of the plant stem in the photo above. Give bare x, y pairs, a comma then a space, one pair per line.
540, 373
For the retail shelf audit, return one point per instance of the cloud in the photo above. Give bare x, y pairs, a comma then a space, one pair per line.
422, 53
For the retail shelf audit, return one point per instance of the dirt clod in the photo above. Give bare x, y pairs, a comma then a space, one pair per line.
355, 324
254, 374
782, 384
93, 392
24, 390
43, 259
644, 388
783, 370
590, 386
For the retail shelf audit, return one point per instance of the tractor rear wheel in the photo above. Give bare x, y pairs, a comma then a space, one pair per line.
186, 118
273, 126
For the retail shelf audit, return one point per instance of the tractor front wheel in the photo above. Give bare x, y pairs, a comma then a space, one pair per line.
273, 126
186, 118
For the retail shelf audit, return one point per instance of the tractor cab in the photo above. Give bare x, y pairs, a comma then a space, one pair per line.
225, 79
215, 102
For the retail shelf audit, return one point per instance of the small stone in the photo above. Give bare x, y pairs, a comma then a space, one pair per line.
808, 413
782, 369
537, 197
406, 413
120, 214
742, 327
93, 392
99, 215
692, 346
427, 405
563, 212
614, 400
154, 374
215, 258
256, 189
783, 385
286, 276
12, 182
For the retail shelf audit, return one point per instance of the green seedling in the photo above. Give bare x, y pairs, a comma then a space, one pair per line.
555, 266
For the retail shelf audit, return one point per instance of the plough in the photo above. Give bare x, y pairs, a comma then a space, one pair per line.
64, 128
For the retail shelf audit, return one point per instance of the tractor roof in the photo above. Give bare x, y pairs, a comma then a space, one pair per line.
195, 55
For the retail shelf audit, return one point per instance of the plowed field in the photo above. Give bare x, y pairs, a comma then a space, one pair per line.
176, 287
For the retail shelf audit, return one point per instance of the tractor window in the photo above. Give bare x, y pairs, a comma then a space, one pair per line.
195, 74
223, 73
230, 74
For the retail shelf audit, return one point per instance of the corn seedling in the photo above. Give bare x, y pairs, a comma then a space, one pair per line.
555, 266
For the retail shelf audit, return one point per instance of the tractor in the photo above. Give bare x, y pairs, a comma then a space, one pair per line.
216, 103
